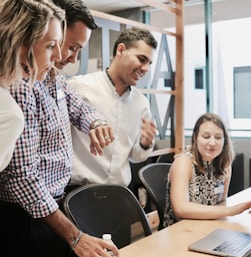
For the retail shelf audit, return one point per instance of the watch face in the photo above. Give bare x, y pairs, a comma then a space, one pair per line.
97, 123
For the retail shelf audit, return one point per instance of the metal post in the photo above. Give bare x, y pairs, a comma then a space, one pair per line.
208, 42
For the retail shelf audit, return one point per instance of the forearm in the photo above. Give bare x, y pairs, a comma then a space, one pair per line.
192, 210
199, 211
85, 245
62, 226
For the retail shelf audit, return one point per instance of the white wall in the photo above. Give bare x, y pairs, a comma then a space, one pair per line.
231, 42
232, 48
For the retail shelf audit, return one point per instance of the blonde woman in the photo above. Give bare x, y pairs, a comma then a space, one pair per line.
31, 187
31, 33
22, 24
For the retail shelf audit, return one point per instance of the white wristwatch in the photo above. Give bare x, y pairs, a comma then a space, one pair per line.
97, 123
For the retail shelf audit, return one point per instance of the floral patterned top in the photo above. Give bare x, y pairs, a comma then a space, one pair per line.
204, 188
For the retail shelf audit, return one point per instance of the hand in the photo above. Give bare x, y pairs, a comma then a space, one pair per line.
89, 246
148, 132
239, 208
100, 137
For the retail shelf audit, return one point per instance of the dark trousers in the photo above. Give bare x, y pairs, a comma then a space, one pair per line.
23, 236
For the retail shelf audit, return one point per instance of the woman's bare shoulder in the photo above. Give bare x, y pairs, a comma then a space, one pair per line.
183, 160
183, 157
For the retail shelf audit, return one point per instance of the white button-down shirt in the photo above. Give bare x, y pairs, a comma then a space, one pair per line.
123, 114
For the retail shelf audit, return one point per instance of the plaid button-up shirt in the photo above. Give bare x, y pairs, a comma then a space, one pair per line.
42, 160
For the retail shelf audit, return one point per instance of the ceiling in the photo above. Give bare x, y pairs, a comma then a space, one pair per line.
193, 11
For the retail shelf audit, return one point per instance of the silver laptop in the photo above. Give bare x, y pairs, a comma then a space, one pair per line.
224, 242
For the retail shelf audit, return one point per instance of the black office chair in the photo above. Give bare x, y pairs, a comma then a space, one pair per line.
100, 209
154, 177
165, 158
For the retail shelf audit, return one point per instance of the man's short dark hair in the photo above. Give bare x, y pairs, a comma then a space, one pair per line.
76, 10
130, 37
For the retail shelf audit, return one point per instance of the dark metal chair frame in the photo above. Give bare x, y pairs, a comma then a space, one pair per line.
101, 209
154, 178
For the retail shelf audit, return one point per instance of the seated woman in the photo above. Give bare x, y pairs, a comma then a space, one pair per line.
199, 178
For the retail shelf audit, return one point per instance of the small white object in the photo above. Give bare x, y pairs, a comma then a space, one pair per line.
108, 238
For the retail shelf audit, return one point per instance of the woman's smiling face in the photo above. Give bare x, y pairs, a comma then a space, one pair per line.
210, 140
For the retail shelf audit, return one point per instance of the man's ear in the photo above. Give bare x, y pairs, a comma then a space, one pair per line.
121, 48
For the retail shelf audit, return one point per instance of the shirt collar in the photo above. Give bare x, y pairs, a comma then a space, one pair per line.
106, 71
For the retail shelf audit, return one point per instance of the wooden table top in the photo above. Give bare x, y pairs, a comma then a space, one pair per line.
174, 240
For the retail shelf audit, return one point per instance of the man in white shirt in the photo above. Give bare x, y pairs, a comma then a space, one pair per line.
125, 108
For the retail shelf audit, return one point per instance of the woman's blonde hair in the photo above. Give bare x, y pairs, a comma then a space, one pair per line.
22, 24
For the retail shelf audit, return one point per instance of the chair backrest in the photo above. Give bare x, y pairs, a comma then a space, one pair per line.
101, 209
166, 158
154, 177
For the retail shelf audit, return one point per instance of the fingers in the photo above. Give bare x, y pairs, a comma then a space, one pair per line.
92, 246
100, 137
104, 135
148, 132
111, 246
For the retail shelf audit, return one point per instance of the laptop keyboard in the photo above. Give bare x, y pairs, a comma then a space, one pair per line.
234, 244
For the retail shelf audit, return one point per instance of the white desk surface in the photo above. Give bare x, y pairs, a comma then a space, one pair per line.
174, 240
